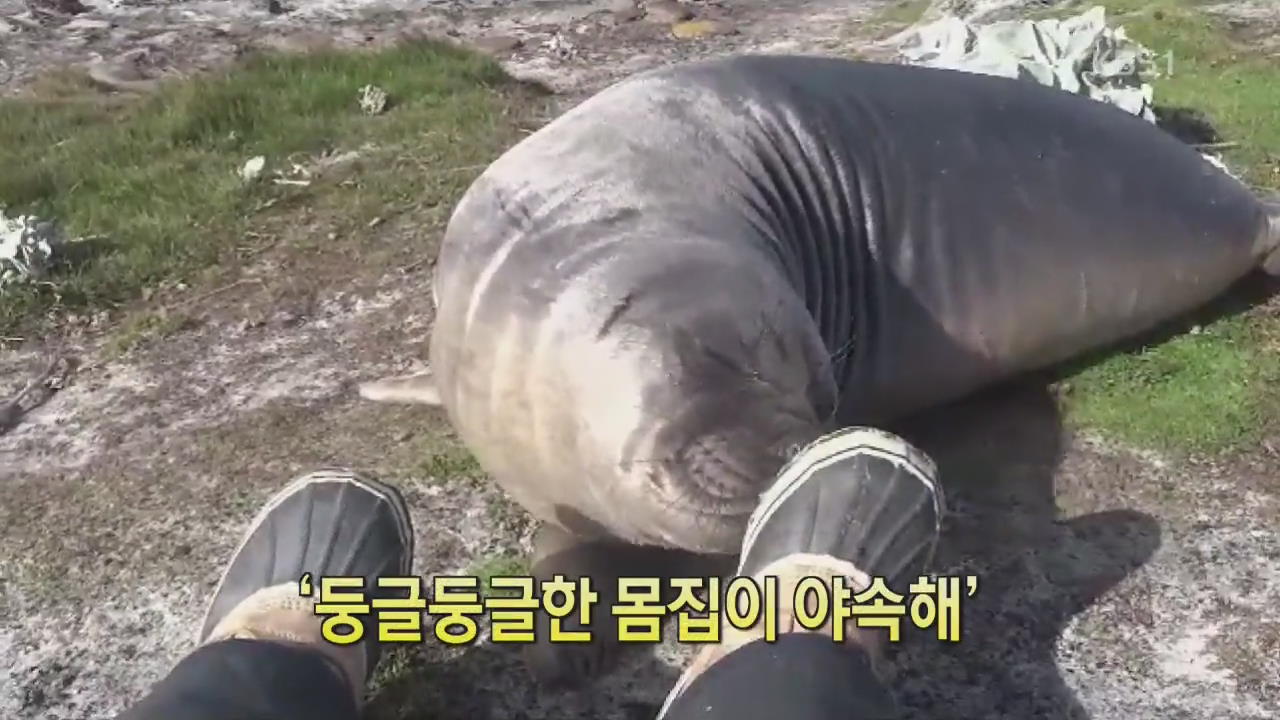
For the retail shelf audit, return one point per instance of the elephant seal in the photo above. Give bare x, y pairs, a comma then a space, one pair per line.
644, 306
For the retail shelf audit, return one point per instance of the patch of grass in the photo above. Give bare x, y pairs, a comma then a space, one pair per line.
158, 178
1214, 72
142, 328
1215, 391
506, 515
450, 462
399, 661
499, 565
901, 14
1197, 393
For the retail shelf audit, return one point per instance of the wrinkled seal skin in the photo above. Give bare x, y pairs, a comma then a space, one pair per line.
644, 305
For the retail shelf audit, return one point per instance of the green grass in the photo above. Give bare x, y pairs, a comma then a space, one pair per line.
1216, 391
143, 328
1201, 393
1238, 90
158, 178
500, 565
445, 462
901, 14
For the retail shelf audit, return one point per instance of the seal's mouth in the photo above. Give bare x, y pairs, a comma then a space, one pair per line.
713, 479
722, 416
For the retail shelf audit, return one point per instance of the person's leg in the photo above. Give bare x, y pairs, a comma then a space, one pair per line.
261, 654
856, 504
250, 680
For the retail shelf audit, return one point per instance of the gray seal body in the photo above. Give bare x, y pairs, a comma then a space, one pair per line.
645, 304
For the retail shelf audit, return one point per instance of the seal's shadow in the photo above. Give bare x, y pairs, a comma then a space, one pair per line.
1189, 125
997, 454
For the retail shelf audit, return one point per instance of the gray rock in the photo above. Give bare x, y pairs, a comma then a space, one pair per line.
666, 11
497, 44
84, 24
623, 11
626, 15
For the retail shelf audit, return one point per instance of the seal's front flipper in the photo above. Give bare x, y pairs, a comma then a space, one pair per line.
557, 553
1271, 265
418, 388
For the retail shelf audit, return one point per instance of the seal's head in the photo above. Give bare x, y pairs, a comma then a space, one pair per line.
693, 393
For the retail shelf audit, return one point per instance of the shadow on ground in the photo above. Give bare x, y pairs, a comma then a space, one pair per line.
1189, 125
998, 454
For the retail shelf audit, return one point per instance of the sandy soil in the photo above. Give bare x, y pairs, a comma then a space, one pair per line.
1114, 584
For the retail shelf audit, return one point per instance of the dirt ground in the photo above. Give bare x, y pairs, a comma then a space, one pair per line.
1114, 584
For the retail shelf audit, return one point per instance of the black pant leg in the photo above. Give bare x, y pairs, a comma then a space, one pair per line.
249, 680
801, 676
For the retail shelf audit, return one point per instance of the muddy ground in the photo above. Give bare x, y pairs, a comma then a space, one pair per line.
1114, 584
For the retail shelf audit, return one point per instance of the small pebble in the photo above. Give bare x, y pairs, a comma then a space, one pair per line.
666, 11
